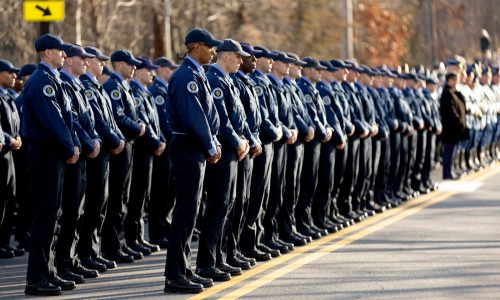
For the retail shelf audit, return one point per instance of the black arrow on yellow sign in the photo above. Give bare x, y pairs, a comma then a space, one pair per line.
46, 11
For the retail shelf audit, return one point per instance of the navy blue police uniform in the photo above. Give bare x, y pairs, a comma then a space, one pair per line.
220, 178
249, 99
121, 165
144, 149
67, 261
162, 188
312, 151
195, 123
48, 131
261, 175
96, 192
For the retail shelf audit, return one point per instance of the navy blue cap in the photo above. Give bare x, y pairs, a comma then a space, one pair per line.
27, 70
162, 61
409, 76
313, 63
486, 70
452, 62
77, 50
386, 72
281, 56
126, 56
337, 63
51, 41
495, 70
352, 65
96, 52
229, 45
248, 48
296, 58
470, 69
146, 63
106, 71
6, 65
200, 35
328, 66
261, 51
430, 80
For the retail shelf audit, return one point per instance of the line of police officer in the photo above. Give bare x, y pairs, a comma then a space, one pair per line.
296, 149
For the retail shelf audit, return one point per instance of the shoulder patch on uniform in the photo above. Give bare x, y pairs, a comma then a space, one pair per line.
89, 94
137, 101
159, 100
258, 90
115, 95
326, 100
217, 93
48, 90
192, 87
308, 99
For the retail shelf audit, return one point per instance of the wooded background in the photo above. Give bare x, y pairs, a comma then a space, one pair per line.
385, 31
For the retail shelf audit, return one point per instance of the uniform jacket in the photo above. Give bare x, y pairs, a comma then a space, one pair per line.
47, 115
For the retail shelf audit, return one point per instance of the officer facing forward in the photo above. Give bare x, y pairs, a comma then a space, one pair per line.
195, 123
48, 131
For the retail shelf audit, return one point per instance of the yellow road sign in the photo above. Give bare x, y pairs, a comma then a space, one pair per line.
43, 11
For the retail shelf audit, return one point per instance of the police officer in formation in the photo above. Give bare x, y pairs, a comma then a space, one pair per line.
280, 149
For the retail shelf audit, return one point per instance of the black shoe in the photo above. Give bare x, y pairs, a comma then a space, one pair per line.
235, 262
163, 242
330, 227
182, 285
308, 238
257, 255
6, 253
18, 251
214, 273
70, 276
65, 285
234, 271
375, 207
133, 253
273, 252
205, 282
91, 264
313, 234
249, 260
290, 246
43, 288
110, 264
119, 257
138, 248
354, 216
86, 273
321, 231
153, 247
275, 246
294, 240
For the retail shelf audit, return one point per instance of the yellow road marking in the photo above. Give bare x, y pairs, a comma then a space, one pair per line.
382, 221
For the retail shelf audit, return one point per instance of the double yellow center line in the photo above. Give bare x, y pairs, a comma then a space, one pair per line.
317, 250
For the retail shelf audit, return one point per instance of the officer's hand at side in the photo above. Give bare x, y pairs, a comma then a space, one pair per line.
243, 148
215, 158
76, 153
15, 144
257, 150
374, 130
279, 135
118, 149
341, 146
365, 134
160, 149
352, 131
328, 135
143, 129
396, 125
1, 146
310, 134
97, 149
292, 138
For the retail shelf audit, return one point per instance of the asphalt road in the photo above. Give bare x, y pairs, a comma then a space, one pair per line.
445, 245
